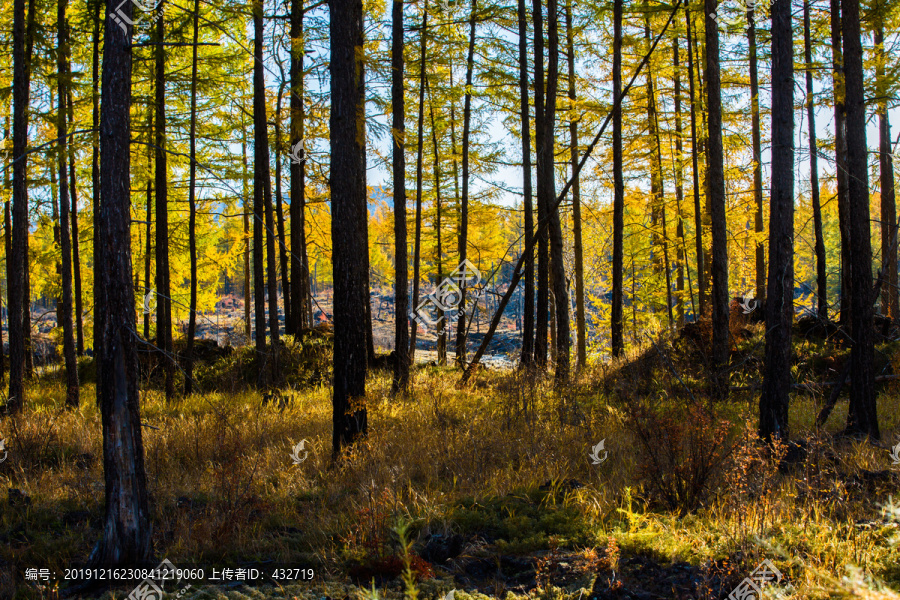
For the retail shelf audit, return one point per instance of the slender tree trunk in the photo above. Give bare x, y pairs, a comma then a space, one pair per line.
26, 294
617, 320
419, 159
862, 418
890, 296
126, 533
716, 198
464, 205
281, 242
528, 308
840, 143
149, 249
821, 273
300, 292
76, 250
348, 201
163, 290
695, 169
681, 253
757, 160
438, 254
192, 207
246, 212
98, 6
775, 398
260, 175
64, 308
401, 262
577, 248
543, 275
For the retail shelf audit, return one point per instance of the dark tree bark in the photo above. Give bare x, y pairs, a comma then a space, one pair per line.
681, 252
528, 300
401, 280
300, 292
695, 170
775, 398
260, 176
245, 178
26, 294
862, 418
192, 208
64, 308
348, 205
126, 533
757, 160
98, 7
438, 254
543, 268
577, 248
464, 204
163, 288
279, 222
149, 246
821, 273
716, 198
617, 321
419, 158
890, 296
840, 143
76, 250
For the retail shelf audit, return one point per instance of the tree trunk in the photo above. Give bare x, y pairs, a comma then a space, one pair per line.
245, 178
617, 320
840, 143
543, 275
419, 159
775, 398
64, 308
464, 204
163, 290
890, 297
862, 418
401, 262
149, 249
438, 254
681, 255
260, 176
716, 196
580, 329
528, 308
126, 534
95, 149
348, 202
192, 207
695, 169
300, 293
757, 161
76, 250
821, 274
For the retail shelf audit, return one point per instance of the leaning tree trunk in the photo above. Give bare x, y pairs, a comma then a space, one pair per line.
716, 195
774, 401
64, 309
125, 539
525, 123
890, 295
821, 274
401, 280
616, 319
862, 418
348, 204
192, 218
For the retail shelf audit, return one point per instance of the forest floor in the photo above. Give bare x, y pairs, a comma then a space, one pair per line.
499, 489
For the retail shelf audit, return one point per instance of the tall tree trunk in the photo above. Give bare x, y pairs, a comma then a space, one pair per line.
76, 250
821, 274
300, 292
438, 251
862, 418
890, 296
840, 143
26, 316
616, 319
192, 207
775, 398
546, 164
148, 252
279, 222
245, 178
348, 202
716, 198
577, 248
163, 290
419, 158
401, 262
695, 169
126, 533
98, 7
681, 255
464, 204
543, 275
757, 160
528, 300
260, 175
64, 308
